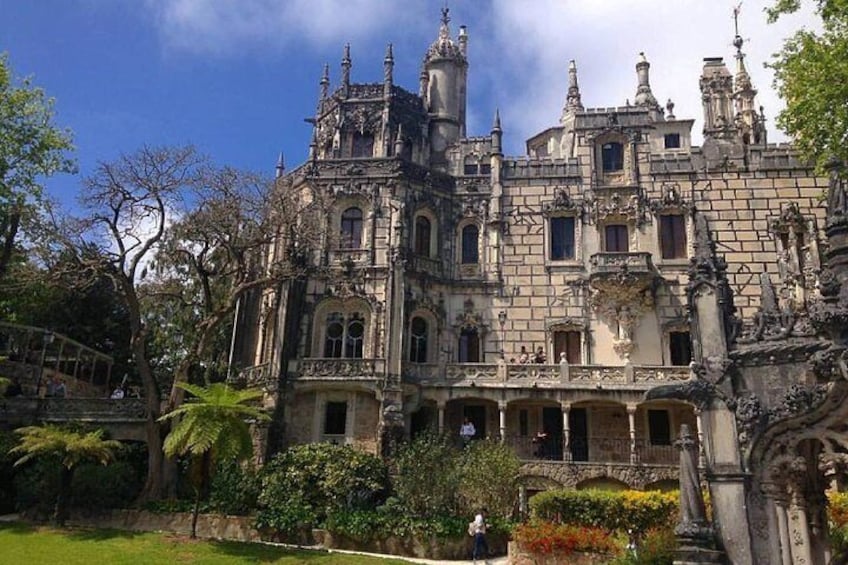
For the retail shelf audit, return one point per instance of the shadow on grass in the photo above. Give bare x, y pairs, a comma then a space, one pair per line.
94, 534
18, 528
258, 553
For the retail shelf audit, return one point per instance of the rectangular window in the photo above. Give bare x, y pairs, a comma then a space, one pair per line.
680, 348
612, 157
335, 418
470, 169
617, 240
659, 427
485, 169
672, 141
523, 425
562, 238
363, 145
673, 236
567, 342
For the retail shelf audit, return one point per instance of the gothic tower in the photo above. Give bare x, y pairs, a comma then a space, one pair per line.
444, 81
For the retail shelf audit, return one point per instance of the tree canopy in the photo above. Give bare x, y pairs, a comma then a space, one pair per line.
811, 75
32, 147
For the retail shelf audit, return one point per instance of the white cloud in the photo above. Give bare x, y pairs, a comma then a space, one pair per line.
534, 41
225, 27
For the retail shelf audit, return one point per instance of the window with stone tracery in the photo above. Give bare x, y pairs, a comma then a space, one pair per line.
418, 340
344, 335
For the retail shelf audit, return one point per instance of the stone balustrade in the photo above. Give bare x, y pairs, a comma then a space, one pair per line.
543, 375
338, 369
98, 410
606, 263
490, 374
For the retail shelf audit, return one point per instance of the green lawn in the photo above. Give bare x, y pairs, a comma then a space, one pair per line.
30, 545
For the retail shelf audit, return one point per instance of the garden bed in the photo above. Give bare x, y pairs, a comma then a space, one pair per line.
518, 556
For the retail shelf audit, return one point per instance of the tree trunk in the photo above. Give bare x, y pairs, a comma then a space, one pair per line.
60, 511
195, 512
9, 235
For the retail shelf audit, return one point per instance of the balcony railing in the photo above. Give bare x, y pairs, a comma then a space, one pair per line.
594, 450
430, 265
73, 409
606, 263
341, 369
537, 375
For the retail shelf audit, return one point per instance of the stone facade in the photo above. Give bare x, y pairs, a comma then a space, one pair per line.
614, 283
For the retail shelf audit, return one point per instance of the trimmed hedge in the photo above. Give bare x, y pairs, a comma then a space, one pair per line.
613, 511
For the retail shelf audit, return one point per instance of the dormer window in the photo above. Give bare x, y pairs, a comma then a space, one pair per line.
672, 141
612, 157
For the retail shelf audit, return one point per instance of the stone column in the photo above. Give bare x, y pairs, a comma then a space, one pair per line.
776, 500
702, 457
502, 419
441, 409
631, 421
566, 433
799, 529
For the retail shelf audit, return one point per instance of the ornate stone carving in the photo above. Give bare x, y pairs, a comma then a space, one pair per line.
340, 369
562, 202
671, 200
631, 208
751, 417
798, 399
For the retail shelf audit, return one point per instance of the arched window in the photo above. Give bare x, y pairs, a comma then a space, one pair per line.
344, 336
418, 340
351, 229
422, 236
355, 335
334, 335
363, 145
612, 156
469, 346
470, 251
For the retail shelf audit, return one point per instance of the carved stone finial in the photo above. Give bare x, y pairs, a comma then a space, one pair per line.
346, 64
573, 102
669, 108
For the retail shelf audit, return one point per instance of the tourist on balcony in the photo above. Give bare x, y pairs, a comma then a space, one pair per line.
14, 389
467, 432
540, 355
541, 441
478, 529
118, 393
524, 358
49, 388
60, 390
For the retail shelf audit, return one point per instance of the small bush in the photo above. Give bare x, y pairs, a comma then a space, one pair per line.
36, 486
235, 489
548, 538
302, 485
98, 487
367, 525
489, 478
613, 511
655, 548
427, 476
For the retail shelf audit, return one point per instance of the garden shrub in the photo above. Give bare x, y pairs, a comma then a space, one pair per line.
656, 547
548, 538
621, 510
367, 525
304, 484
489, 473
837, 518
98, 487
427, 477
7, 472
235, 489
36, 486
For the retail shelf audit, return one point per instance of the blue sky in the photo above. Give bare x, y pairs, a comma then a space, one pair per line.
237, 77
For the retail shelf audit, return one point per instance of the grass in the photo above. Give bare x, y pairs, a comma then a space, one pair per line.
33, 545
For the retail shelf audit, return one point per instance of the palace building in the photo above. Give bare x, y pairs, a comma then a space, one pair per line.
607, 287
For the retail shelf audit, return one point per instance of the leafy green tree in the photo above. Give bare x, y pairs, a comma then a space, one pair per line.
427, 476
213, 424
72, 448
811, 75
489, 471
32, 147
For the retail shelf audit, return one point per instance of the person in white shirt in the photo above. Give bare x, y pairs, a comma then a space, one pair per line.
481, 548
467, 431
117, 394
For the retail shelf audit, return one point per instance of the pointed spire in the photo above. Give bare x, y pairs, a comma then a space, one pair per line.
399, 141
497, 134
444, 47
644, 96
748, 122
346, 64
325, 82
281, 166
388, 70
573, 103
